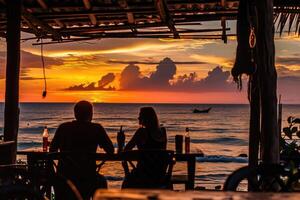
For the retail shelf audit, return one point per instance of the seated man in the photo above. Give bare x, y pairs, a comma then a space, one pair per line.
81, 136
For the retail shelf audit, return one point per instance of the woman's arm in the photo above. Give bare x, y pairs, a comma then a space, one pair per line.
105, 141
133, 142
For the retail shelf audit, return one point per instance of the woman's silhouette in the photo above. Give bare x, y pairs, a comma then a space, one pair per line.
150, 136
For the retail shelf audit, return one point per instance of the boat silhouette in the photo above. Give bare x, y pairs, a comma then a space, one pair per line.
202, 111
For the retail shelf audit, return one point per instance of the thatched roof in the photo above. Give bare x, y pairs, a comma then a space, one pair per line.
71, 20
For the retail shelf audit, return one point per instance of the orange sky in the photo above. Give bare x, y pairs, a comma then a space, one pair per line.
86, 62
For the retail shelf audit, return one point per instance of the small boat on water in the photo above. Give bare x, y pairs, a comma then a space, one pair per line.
202, 111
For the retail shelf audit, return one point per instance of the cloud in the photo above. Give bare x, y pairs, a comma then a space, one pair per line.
102, 84
217, 80
163, 79
29, 61
132, 79
215, 60
284, 71
289, 60
149, 62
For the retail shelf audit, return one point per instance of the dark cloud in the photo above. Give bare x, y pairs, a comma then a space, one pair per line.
288, 60
132, 79
102, 84
216, 81
163, 79
283, 71
28, 60
288, 87
150, 62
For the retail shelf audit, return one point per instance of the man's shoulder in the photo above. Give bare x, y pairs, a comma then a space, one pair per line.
96, 124
66, 124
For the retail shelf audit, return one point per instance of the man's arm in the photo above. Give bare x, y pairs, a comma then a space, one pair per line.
105, 142
54, 145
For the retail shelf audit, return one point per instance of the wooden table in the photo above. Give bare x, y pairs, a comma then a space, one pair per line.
190, 158
203, 195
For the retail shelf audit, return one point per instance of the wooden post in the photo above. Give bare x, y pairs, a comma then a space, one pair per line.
254, 129
11, 111
268, 81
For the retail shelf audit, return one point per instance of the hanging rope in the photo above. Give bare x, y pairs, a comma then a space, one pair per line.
44, 94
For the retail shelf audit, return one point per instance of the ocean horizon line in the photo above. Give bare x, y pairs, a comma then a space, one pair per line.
143, 103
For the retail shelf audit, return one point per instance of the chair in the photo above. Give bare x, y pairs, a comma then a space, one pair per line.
81, 175
45, 177
153, 169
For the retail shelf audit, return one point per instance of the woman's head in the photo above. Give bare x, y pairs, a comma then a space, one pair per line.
148, 118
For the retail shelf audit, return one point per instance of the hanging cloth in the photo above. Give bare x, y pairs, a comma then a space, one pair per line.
246, 39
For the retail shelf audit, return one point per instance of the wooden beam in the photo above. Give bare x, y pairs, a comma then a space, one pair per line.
11, 110
45, 27
223, 22
131, 35
44, 6
130, 16
254, 128
36, 31
88, 6
163, 11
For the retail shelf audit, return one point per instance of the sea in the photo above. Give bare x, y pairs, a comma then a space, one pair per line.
222, 134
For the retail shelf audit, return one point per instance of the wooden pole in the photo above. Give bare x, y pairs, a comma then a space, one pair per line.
254, 130
268, 81
11, 111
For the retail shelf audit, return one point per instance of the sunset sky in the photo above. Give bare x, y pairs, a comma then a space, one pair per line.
144, 70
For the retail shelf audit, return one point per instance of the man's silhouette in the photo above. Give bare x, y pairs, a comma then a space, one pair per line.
81, 136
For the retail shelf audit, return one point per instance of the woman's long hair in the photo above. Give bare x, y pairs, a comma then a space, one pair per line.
148, 118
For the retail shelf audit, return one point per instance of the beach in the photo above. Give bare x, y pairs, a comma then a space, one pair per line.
222, 134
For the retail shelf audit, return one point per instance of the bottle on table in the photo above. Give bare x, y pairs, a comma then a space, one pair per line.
45, 139
121, 139
187, 140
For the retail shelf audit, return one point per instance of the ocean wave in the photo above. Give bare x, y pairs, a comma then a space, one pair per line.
35, 130
28, 145
114, 178
208, 177
222, 140
225, 159
114, 118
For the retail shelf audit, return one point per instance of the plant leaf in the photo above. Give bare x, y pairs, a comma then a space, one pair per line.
294, 129
287, 132
296, 120
290, 119
298, 134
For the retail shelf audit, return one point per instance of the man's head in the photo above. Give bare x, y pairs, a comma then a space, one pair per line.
83, 111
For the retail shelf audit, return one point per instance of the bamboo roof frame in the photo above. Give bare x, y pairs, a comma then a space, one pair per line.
74, 20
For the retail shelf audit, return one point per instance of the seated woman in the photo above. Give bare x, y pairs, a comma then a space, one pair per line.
149, 137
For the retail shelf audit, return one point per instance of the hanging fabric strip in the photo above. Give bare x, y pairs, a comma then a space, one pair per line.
246, 38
